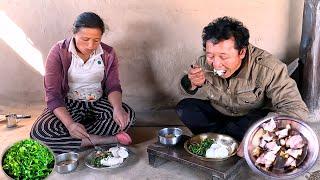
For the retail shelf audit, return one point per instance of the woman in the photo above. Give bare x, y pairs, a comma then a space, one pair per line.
83, 92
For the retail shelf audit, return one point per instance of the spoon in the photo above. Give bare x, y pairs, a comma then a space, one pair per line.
206, 71
97, 148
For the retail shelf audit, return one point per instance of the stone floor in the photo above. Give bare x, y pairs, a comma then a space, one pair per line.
144, 133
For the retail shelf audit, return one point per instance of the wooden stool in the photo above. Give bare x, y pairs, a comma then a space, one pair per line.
227, 169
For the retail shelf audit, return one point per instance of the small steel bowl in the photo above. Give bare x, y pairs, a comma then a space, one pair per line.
169, 136
66, 162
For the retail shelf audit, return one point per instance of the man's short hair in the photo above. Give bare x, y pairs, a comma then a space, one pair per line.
225, 28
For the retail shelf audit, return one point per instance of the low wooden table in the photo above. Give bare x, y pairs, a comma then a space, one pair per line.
159, 154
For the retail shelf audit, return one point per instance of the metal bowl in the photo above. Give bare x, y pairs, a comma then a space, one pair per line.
169, 136
92, 154
67, 162
312, 149
230, 142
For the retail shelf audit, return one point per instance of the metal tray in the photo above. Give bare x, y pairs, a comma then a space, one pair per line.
230, 142
89, 157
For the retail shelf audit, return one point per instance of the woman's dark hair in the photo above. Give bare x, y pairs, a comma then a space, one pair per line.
225, 28
88, 20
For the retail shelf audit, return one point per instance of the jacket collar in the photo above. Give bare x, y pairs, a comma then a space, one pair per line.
243, 72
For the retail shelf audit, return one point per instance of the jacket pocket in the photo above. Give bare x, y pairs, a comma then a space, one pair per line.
247, 96
213, 93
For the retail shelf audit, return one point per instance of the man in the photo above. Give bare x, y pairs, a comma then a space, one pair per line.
242, 84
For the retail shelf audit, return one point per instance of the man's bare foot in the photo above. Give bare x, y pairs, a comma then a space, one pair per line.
240, 150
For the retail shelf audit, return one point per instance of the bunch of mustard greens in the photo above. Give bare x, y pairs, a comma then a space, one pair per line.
28, 159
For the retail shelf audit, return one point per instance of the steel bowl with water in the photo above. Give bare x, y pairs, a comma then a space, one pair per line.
300, 126
67, 162
169, 136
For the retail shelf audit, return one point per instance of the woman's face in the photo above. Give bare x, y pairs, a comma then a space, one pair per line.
87, 40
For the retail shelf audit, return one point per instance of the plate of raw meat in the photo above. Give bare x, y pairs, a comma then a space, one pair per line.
280, 147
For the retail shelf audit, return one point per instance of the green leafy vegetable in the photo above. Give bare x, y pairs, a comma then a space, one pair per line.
28, 159
201, 148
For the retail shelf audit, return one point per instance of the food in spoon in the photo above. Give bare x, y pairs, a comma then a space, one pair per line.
219, 72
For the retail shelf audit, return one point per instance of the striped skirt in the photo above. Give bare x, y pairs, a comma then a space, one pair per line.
97, 117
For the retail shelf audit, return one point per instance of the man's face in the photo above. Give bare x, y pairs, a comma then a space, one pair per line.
87, 40
223, 56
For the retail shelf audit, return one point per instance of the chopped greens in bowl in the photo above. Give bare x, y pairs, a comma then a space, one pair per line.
28, 159
211, 146
201, 148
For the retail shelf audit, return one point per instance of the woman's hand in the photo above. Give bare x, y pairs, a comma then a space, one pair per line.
121, 117
77, 130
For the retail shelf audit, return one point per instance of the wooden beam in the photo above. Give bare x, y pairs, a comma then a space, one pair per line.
309, 55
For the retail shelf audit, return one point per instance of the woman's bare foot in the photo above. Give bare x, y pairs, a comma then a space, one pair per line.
123, 138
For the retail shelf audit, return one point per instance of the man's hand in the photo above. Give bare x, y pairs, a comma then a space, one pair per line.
196, 76
121, 117
77, 130
240, 150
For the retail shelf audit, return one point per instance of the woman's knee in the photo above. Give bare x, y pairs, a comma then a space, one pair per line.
132, 118
47, 126
131, 113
